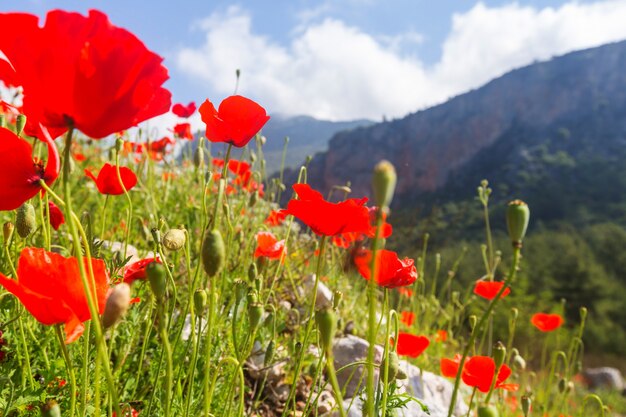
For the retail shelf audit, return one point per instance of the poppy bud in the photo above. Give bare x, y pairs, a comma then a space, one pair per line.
213, 252
526, 405
519, 362
255, 312
156, 234
156, 276
20, 122
517, 216
394, 366
51, 409
384, 183
116, 305
253, 272
499, 354
269, 353
199, 301
583, 313
337, 296
7, 232
472, 322
327, 325
174, 239
119, 144
26, 221
487, 411
198, 157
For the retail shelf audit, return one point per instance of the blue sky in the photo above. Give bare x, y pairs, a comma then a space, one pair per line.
345, 59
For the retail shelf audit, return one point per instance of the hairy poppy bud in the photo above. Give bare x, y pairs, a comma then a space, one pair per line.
51, 409
499, 354
199, 301
472, 322
25, 222
116, 305
198, 157
20, 122
174, 239
255, 312
156, 276
526, 405
213, 253
487, 411
384, 183
119, 144
7, 232
394, 366
517, 216
253, 272
327, 325
269, 353
337, 296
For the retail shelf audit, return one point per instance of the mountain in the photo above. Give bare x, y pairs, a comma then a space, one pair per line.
307, 136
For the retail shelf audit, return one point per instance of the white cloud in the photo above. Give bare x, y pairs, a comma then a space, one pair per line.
335, 71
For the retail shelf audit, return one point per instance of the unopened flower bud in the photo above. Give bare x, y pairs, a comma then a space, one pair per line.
156, 274
156, 234
253, 272
26, 222
583, 313
174, 239
119, 144
199, 301
213, 252
20, 122
241, 289
499, 354
384, 183
472, 322
7, 232
198, 157
337, 296
394, 371
517, 217
51, 409
116, 305
487, 411
327, 324
255, 312
526, 405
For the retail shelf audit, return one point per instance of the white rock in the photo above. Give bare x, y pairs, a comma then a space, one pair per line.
324, 294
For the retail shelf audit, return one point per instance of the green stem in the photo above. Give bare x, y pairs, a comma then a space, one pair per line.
85, 374
68, 367
130, 202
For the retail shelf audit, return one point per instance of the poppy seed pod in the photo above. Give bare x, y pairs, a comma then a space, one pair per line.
327, 324
213, 252
51, 409
156, 276
7, 232
116, 305
199, 301
526, 405
252, 297
517, 217
487, 411
20, 122
255, 312
174, 239
384, 183
25, 222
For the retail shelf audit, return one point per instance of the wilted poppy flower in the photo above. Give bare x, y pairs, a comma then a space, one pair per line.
407, 317
479, 372
546, 322
268, 246
108, 182
392, 271
50, 288
19, 174
181, 110
276, 217
81, 71
236, 121
137, 270
325, 218
183, 131
450, 367
56, 215
489, 289
411, 345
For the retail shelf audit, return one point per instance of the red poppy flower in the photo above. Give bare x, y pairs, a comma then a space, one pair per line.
236, 121
183, 131
218, 163
238, 167
268, 246
441, 336
137, 270
386, 228
108, 182
9, 111
546, 322
411, 345
181, 110
276, 217
450, 367
489, 289
82, 71
50, 288
19, 174
328, 219
407, 317
160, 145
479, 372
406, 292
56, 215
392, 271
